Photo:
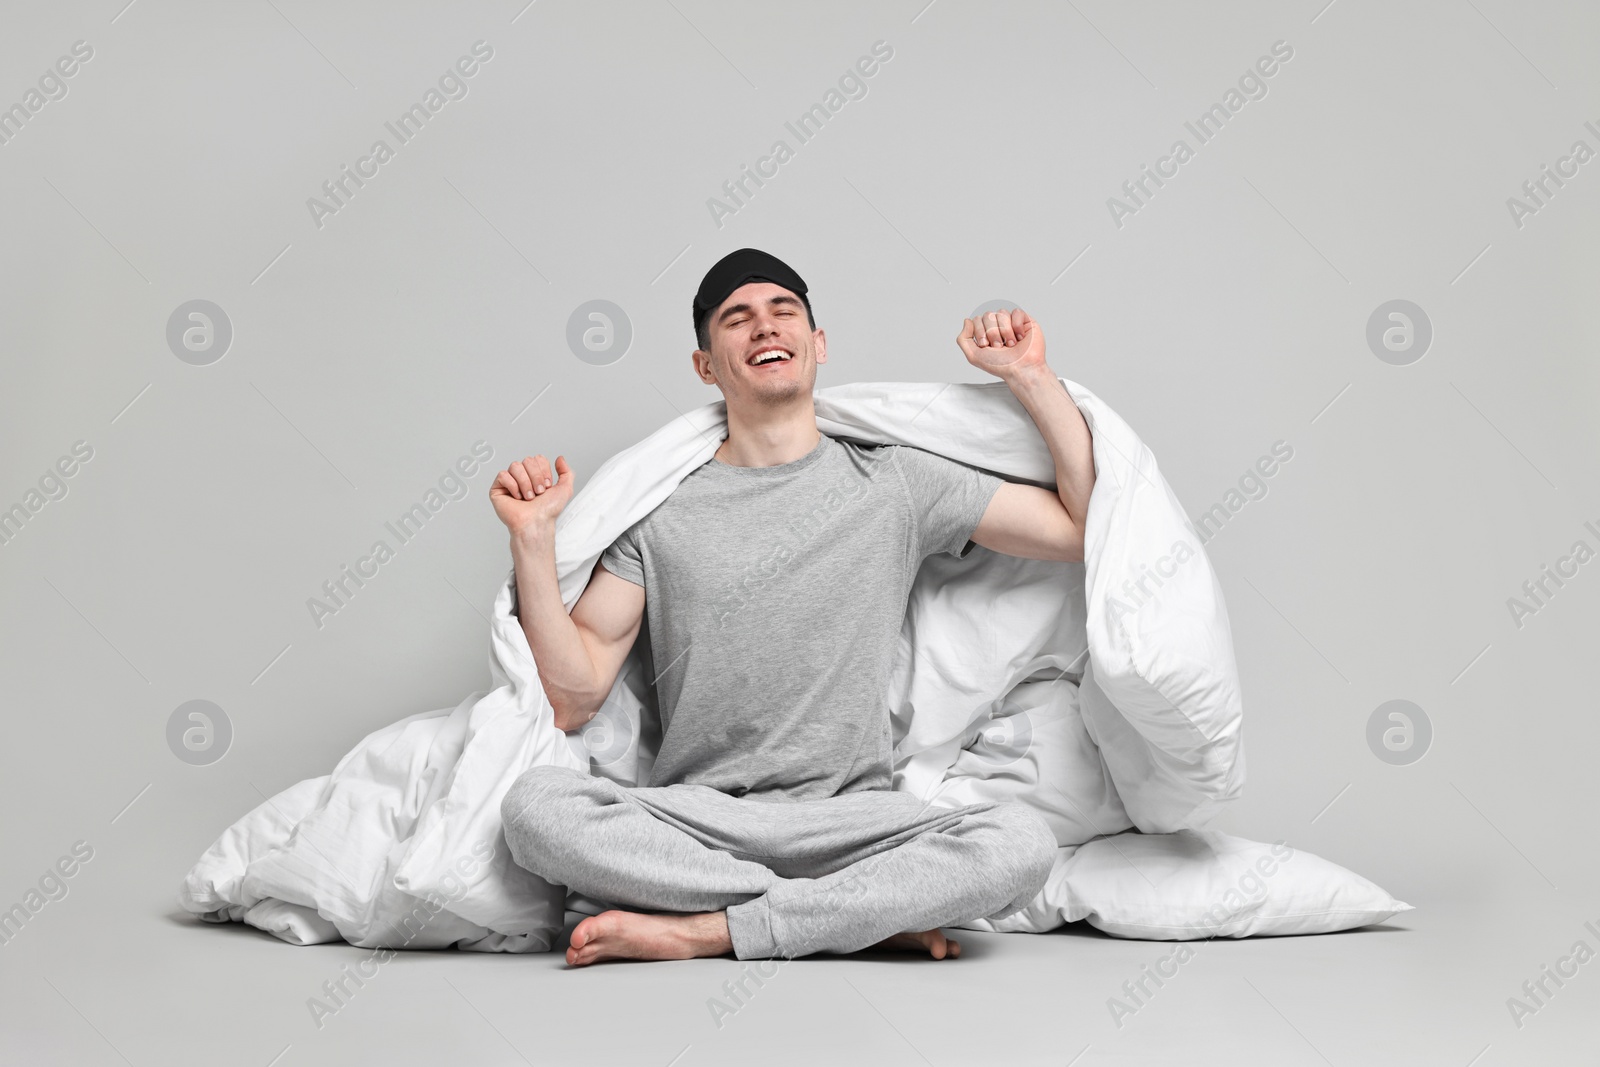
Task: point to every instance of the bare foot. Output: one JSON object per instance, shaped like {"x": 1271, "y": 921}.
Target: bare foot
{"x": 933, "y": 942}
{"x": 631, "y": 935}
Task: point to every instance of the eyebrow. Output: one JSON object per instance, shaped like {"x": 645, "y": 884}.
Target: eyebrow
{"x": 734, "y": 309}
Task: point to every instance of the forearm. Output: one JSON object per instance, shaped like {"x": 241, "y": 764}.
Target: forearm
{"x": 1065, "y": 432}
{"x": 565, "y": 668}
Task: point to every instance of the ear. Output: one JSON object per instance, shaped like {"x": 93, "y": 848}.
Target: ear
{"x": 702, "y": 366}
{"x": 821, "y": 340}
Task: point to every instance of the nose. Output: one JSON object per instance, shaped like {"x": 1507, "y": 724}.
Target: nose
{"x": 763, "y": 325}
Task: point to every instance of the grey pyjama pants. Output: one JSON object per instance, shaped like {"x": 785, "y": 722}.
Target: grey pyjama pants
{"x": 795, "y": 877}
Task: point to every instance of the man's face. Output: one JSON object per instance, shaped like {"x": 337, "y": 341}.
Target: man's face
{"x": 759, "y": 321}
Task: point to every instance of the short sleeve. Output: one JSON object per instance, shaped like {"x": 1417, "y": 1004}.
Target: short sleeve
{"x": 622, "y": 557}
{"x": 948, "y": 499}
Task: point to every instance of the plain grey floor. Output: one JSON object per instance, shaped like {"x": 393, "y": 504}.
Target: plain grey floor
{"x": 112, "y": 976}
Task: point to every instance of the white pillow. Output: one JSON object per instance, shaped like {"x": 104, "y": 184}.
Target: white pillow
{"x": 1195, "y": 884}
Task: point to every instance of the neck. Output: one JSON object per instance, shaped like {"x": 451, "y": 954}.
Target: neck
{"x": 769, "y": 437}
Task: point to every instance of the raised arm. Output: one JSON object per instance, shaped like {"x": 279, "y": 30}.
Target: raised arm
{"x": 1024, "y": 520}
{"x": 578, "y": 655}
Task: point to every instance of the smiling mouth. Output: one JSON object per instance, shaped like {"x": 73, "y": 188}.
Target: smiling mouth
{"x": 769, "y": 356}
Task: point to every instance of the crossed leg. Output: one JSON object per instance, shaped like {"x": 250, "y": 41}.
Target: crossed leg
{"x": 770, "y": 877}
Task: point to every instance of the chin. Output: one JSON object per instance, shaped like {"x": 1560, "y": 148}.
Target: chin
{"x": 779, "y": 392}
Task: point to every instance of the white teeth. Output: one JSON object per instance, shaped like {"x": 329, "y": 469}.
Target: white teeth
{"x": 768, "y": 357}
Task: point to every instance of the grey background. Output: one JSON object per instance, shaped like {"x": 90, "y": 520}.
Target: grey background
{"x": 431, "y": 312}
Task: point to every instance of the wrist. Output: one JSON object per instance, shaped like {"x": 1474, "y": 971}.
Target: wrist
{"x": 1032, "y": 378}
{"x": 532, "y": 536}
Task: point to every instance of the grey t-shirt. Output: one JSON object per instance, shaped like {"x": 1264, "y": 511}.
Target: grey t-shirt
{"x": 774, "y": 600}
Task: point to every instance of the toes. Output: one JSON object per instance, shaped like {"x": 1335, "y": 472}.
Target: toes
{"x": 591, "y": 938}
{"x": 941, "y": 947}
{"x": 578, "y": 955}
{"x": 587, "y": 932}
{"x": 595, "y": 926}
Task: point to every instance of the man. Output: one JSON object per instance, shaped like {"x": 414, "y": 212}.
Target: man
{"x": 776, "y": 578}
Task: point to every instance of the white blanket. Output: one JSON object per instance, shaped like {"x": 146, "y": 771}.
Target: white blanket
{"x": 1103, "y": 693}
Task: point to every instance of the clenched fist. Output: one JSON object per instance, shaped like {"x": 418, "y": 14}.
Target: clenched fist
{"x": 527, "y": 497}
{"x": 1004, "y": 343}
